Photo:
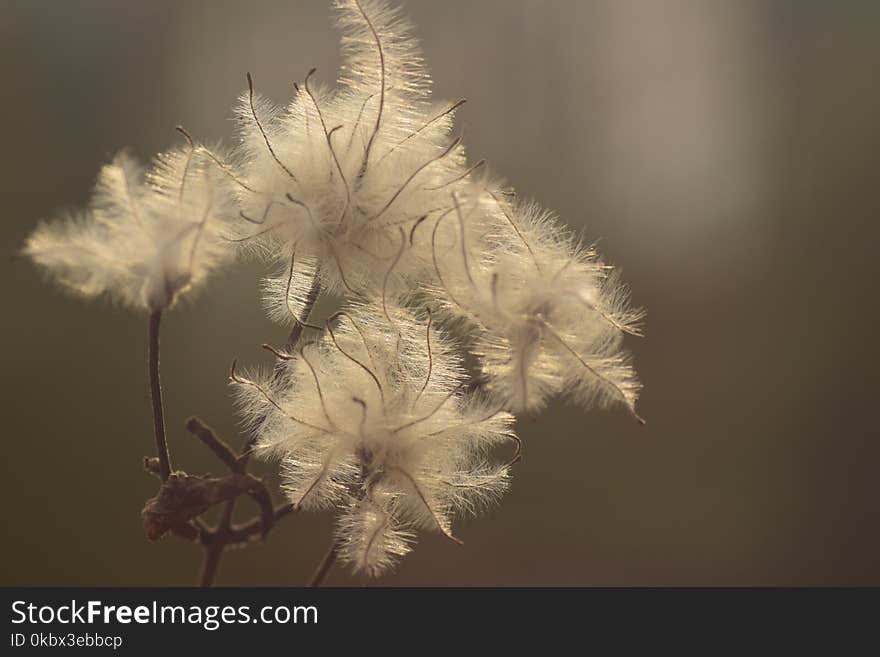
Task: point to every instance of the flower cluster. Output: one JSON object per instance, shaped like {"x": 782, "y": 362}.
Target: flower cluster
{"x": 363, "y": 191}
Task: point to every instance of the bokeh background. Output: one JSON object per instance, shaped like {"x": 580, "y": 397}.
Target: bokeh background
{"x": 726, "y": 154}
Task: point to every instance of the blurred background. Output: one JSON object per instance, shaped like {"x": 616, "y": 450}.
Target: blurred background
{"x": 727, "y": 156}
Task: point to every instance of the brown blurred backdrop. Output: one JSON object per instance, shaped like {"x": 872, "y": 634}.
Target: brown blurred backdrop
{"x": 726, "y": 153}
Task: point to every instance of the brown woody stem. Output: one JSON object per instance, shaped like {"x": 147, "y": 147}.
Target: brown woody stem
{"x": 225, "y": 533}
{"x": 156, "y": 396}
{"x": 324, "y": 567}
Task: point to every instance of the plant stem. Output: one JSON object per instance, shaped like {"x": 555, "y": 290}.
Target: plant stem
{"x": 324, "y": 567}
{"x": 209, "y": 565}
{"x": 214, "y": 551}
{"x": 310, "y": 301}
{"x": 156, "y": 396}
{"x": 223, "y": 533}
{"x": 293, "y": 339}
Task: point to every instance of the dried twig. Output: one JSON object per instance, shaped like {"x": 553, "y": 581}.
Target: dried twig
{"x": 183, "y": 499}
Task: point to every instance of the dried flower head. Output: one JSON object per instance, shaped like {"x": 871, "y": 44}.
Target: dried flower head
{"x": 549, "y": 315}
{"x": 146, "y": 238}
{"x": 340, "y": 177}
{"x": 373, "y": 419}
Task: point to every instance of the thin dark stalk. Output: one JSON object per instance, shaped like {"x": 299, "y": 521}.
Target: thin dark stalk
{"x": 209, "y": 566}
{"x": 156, "y": 397}
{"x": 225, "y": 533}
{"x": 215, "y": 549}
{"x": 246, "y": 532}
{"x": 324, "y": 567}
{"x": 311, "y": 298}
{"x": 293, "y": 339}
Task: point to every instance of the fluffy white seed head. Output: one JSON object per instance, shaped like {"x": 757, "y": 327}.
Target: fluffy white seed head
{"x": 373, "y": 418}
{"x": 146, "y": 238}
{"x": 549, "y": 315}
{"x": 340, "y": 176}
